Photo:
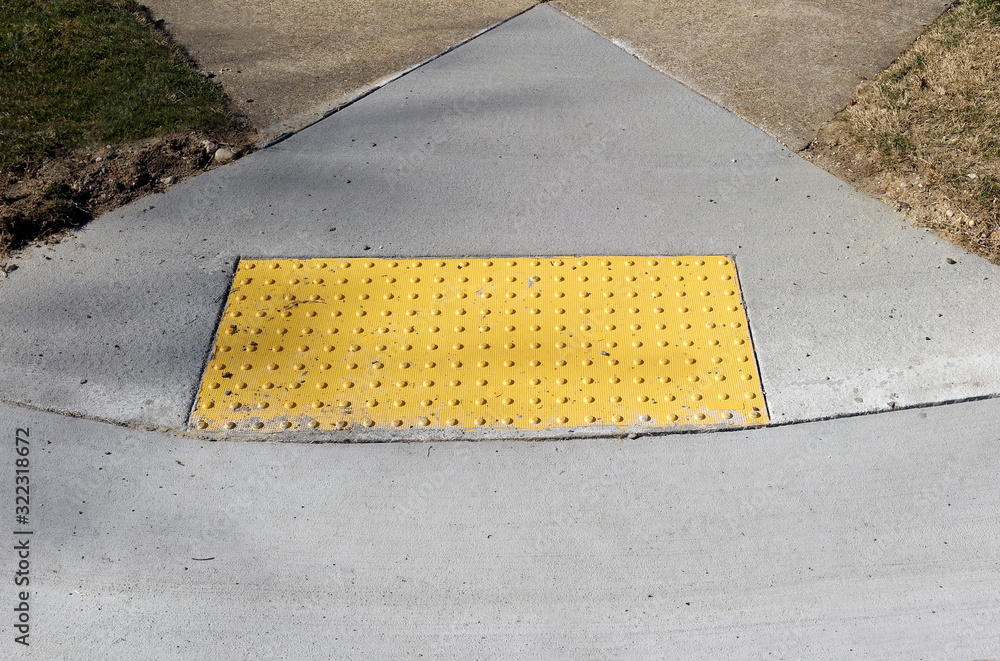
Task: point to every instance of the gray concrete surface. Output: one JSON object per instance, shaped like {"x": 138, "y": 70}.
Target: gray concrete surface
{"x": 873, "y": 537}
{"x": 538, "y": 138}
{"x": 285, "y": 63}
{"x": 787, "y": 66}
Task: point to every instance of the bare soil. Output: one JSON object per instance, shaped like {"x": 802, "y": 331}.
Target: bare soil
{"x": 43, "y": 199}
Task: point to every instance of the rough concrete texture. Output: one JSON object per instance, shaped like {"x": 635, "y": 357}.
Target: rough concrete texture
{"x": 538, "y": 138}
{"x": 286, "y": 63}
{"x": 786, "y": 66}
{"x": 873, "y": 537}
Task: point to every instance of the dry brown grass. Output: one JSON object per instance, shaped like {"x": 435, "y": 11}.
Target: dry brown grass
{"x": 924, "y": 136}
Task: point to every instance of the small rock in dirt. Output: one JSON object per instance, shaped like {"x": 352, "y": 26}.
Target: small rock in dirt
{"x": 224, "y": 155}
{"x": 951, "y": 261}
{"x": 167, "y": 181}
{"x": 209, "y": 146}
{"x": 98, "y": 159}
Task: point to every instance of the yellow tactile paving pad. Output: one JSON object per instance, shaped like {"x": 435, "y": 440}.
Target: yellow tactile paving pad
{"x": 520, "y": 343}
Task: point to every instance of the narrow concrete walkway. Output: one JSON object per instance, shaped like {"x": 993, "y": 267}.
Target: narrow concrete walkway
{"x": 874, "y": 537}
{"x": 538, "y": 138}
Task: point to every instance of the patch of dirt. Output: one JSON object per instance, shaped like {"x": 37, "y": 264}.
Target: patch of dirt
{"x": 44, "y": 199}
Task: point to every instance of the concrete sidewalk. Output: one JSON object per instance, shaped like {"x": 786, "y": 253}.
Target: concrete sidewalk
{"x": 538, "y": 138}
{"x": 874, "y": 537}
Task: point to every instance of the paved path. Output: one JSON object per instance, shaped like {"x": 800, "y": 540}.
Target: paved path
{"x": 285, "y": 63}
{"x": 538, "y": 138}
{"x": 873, "y": 537}
{"x": 786, "y": 66}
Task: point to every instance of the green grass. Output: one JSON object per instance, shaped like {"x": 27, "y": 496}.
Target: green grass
{"x": 85, "y": 72}
{"x": 989, "y": 191}
{"x": 893, "y": 145}
{"x": 992, "y": 7}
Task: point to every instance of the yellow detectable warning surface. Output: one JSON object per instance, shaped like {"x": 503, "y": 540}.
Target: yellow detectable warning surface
{"x": 520, "y": 343}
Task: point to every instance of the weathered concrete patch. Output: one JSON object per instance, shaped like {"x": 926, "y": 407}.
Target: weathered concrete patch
{"x": 286, "y": 63}
{"x": 786, "y": 66}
